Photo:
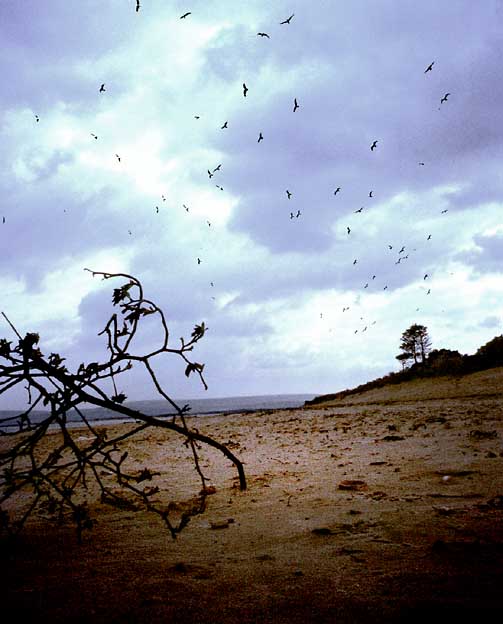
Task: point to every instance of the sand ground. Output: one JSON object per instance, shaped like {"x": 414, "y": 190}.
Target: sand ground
{"x": 422, "y": 536}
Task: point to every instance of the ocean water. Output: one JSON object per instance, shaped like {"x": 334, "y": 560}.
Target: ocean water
{"x": 198, "y": 407}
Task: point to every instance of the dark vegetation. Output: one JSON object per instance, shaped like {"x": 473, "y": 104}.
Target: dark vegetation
{"x": 428, "y": 363}
{"x": 55, "y": 482}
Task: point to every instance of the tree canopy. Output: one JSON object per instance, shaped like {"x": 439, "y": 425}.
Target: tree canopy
{"x": 415, "y": 345}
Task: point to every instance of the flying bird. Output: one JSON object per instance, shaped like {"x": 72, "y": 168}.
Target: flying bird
{"x": 425, "y": 276}
{"x": 366, "y": 285}
{"x": 37, "y": 118}
{"x": 262, "y": 34}
{"x": 197, "y": 117}
{"x": 245, "y": 89}
{"x": 224, "y": 126}
{"x": 295, "y": 105}
{"x": 348, "y": 229}
{"x": 287, "y": 21}
{"x": 185, "y": 15}
{"x": 359, "y": 210}
{"x": 370, "y": 194}
{"x": 118, "y": 157}
{"x": 430, "y": 67}
{"x": 421, "y": 163}
{"x": 209, "y": 224}
{"x": 298, "y": 214}
{"x": 429, "y": 291}
{"x": 390, "y": 246}
{"x": 217, "y": 168}
{"x": 373, "y": 146}
{"x": 163, "y": 198}
{"x": 157, "y": 209}
{"x": 210, "y": 174}
{"x": 219, "y": 187}
{"x": 337, "y": 190}
{"x": 444, "y": 99}
{"x": 186, "y": 208}
{"x": 94, "y": 136}
{"x": 288, "y": 193}
{"x": 429, "y": 237}
{"x": 385, "y": 288}
{"x": 292, "y": 215}
{"x": 443, "y": 211}
{"x": 102, "y": 88}
{"x": 355, "y": 261}
{"x": 260, "y": 137}
{"x": 402, "y": 250}
{"x": 3, "y": 219}
{"x": 199, "y": 261}
{"x": 138, "y": 5}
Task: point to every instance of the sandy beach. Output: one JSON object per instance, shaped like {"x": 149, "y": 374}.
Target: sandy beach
{"x": 384, "y": 506}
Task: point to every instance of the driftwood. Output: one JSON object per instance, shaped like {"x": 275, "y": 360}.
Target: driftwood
{"x": 54, "y": 482}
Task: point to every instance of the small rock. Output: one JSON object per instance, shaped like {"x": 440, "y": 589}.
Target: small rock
{"x": 322, "y": 531}
{"x": 353, "y": 484}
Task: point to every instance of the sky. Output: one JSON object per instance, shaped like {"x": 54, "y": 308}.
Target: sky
{"x": 305, "y": 291}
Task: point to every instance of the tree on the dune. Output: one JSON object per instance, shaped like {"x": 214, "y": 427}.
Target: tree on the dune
{"x": 415, "y": 345}
{"x": 55, "y": 474}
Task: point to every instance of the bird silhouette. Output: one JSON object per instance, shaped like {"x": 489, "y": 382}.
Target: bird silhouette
{"x": 138, "y": 5}
{"x": 429, "y": 291}
{"x": 373, "y": 277}
{"x": 245, "y": 89}
{"x": 199, "y": 261}
{"x": 385, "y": 288}
{"x": 185, "y": 15}
{"x": 370, "y": 194}
{"x": 402, "y": 250}
{"x": 430, "y": 67}
{"x": 355, "y": 261}
{"x": 197, "y": 117}
{"x": 224, "y": 126}
{"x": 163, "y": 198}
{"x": 102, "y": 88}
{"x": 94, "y": 136}
{"x": 287, "y": 21}
{"x": 390, "y": 246}
{"x": 118, "y": 157}
{"x": 373, "y": 146}
{"x": 217, "y": 168}
{"x": 263, "y": 34}
{"x": 3, "y": 219}
{"x": 444, "y": 99}
{"x": 443, "y": 211}
{"x": 337, "y": 190}
{"x": 212, "y": 284}
{"x": 348, "y": 229}
{"x": 37, "y": 118}
{"x": 157, "y": 209}
{"x": 288, "y": 193}
{"x": 210, "y": 174}
{"x": 429, "y": 237}
{"x": 219, "y": 187}
{"x": 186, "y": 208}
{"x": 359, "y": 210}
{"x": 298, "y": 214}
{"x": 425, "y": 276}
{"x": 295, "y": 105}
{"x": 292, "y": 215}
{"x": 421, "y": 163}
{"x": 366, "y": 285}
{"x": 209, "y": 224}
{"x": 260, "y": 137}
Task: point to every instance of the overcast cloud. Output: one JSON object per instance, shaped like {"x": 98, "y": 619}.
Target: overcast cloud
{"x": 271, "y": 288}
